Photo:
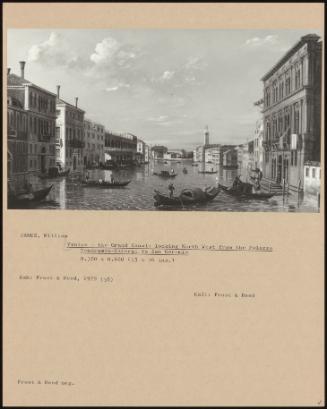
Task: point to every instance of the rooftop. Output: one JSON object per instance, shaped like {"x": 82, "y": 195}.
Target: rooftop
{"x": 14, "y": 80}
{"x": 60, "y": 101}
{"x": 305, "y": 39}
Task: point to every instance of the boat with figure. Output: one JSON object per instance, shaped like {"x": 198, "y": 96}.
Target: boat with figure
{"x": 208, "y": 171}
{"x": 54, "y": 173}
{"x": 186, "y": 197}
{"x": 185, "y": 171}
{"x": 26, "y": 198}
{"x": 195, "y": 164}
{"x": 105, "y": 184}
{"x": 165, "y": 174}
{"x": 245, "y": 191}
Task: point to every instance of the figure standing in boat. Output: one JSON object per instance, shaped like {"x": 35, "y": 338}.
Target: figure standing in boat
{"x": 171, "y": 189}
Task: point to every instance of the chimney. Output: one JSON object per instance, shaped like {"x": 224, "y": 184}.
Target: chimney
{"x": 58, "y": 91}
{"x": 22, "y": 68}
{"x": 76, "y": 101}
{"x": 8, "y": 71}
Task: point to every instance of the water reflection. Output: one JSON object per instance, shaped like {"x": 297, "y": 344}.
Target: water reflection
{"x": 138, "y": 195}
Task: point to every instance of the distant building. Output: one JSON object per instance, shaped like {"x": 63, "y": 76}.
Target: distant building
{"x": 94, "y": 143}
{"x": 199, "y": 154}
{"x": 292, "y": 113}
{"x": 171, "y": 155}
{"x": 69, "y": 134}
{"x": 230, "y": 159}
{"x": 312, "y": 176}
{"x": 120, "y": 148}
{"x": 142, "y": 152}
{"x": 36, "y": 105}
{"x": 158, "y": 151}
{"x": 147, "y": 154}
{"x": 206, "y": 136}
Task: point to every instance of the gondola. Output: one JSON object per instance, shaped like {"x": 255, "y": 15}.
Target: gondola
{"x": 245, "y": 195}
{"x": 54, "y": 175}
{"x": 195, "y": 164}
{"x": 187, "y": 197}
{"x": 25, "y": 199}
{"x": 208, "y": 171}
{"x": 105, "y": 184}
{"x": 165, "y": 174}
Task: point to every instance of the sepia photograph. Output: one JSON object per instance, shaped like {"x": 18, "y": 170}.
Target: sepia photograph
{"x": 163, "y": 197}
{"x": 152, "y": 119}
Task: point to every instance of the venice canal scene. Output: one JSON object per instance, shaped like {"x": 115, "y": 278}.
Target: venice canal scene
{"x": 195, "y": 150}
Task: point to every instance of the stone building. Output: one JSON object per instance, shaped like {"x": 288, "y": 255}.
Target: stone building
{"x": 120, "y": 148}
{"x": 142, "y": 152}
{"x": 37, "y": 106}
{"x": 292, "y": 113}
{"x": 17, "y": 133}
{"x": 312, "y": 176}
{"x": 147, "y": 154}
{"x": 158, "y": 151}
{"x": 94, "y": 143}
{"x": 69, "y": 134}
{"x": 230, "y": 157}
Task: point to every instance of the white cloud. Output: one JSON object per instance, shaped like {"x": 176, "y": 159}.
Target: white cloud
{"x": 54, "y": 52}
{"x": 167, "y": 75}
{"x": 39, "y": 51}
{"x": 104, "y": 50}
{"x": 157, "y": 118}
{"x": 110, "y": 52}
{"x": 117, "y": 87}
{"x": 195, "y": 64}
{"x": 258, "y": 42}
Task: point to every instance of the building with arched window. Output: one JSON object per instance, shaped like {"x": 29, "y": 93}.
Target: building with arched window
{"x": 34, "y": 122}
{"x": 291, "y": 118}
{"x": 17, "y": 131}
{"x": 94, "y": 138}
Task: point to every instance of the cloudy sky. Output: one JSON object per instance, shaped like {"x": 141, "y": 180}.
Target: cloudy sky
{"x": 164, "y": 86}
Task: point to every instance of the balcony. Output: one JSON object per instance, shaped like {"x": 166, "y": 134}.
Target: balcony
{"x": 114, "y": 149}
{"x": 76, "y": 143}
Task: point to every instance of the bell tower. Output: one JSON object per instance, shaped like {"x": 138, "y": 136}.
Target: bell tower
{"x": 206, "y": 136}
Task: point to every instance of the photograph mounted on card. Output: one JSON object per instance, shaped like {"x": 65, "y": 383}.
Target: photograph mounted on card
{"x": 153, "y": 120}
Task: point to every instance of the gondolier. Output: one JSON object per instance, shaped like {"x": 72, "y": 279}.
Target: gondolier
{"x": 171, "y": 189}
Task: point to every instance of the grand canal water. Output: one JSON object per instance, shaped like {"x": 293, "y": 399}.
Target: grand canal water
{"x": 138, "y": 195}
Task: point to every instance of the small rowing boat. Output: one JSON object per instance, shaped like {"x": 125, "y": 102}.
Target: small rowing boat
{"x": 105, "y": 184}
{"x": 27, "y": 198}
{"x": 165, "y": 174}
{"x": 186, "y": 197}
{"x": 236, "y": 192}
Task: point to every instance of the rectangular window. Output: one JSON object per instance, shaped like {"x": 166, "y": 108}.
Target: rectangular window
{"x": 307, "y": 172}
{"x": 313, "y": 173}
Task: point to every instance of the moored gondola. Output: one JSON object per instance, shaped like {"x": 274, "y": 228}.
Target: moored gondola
{"x": 186, "y": 197}
{"x": 27, "y": 198}
{"x": 208, "y": 171}
{"x": 237, "y": 192}
{"x": 105, "y": 184}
